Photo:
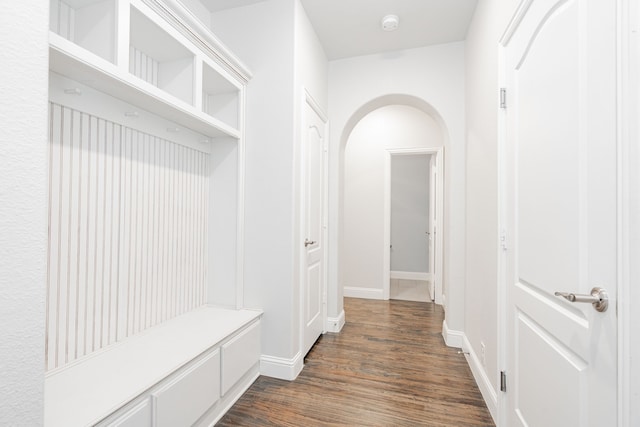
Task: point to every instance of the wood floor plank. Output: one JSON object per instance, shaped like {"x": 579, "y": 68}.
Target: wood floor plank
{"x": 388, "y": 367}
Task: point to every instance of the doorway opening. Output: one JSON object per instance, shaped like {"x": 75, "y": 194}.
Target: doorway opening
{"x": 413, "y": 210}
{"x": 411, "y": 202}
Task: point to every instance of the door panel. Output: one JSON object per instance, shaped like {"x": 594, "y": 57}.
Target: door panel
{"x": 560, "y": 158}
{"x": 314, "y": 208}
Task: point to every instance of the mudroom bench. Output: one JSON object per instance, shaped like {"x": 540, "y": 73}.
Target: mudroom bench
{"x": 186, "y": 371}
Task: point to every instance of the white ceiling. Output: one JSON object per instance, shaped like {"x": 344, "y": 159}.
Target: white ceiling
{"x": 349, "y": 28}
{"x": 352, "y": 27}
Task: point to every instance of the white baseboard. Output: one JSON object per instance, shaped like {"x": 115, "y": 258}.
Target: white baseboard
{"x": 279, "y": 367}
{"x": 366, "y": 293}
{"x": 480, "y": 374}
{"x": 335, "y": 324}
{"x": 410, "y": 275}
{"x": 452, "y": 338}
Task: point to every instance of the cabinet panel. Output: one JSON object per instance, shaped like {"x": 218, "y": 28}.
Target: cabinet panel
{"x": 239, "y": 355}
{"x": 186, "y": 398}
{"x": 138, "y": 416}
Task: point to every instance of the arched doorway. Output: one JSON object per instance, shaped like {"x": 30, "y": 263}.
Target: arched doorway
{"x": 387, "y": 131}
{"x": 336, "y": 194}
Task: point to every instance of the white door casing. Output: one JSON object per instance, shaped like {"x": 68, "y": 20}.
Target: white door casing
{"x": 437, "y": 191}
{"x": 559, "y": 213}
{"x": 314, "y": 173}
{"x": 433, "y": 182}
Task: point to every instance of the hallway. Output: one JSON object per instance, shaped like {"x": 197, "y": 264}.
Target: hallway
{"x": 388, "y": 367}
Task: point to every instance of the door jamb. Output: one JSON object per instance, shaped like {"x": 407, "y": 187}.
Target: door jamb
{"x": 438, "y": 153}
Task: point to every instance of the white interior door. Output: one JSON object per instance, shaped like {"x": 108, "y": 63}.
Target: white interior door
{"x": 560, "y": 210}
{"x": 313, "y": 291}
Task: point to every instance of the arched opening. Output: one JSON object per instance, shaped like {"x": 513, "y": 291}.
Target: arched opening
{"x": 386, "y": 126}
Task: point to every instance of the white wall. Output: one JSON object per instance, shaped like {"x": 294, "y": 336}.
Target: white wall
{"x": 23, "y": 210}
{"x": 481, "y": 81}
{"x": 362, "y": 250}
{"x": 279, "y": 46}
{"x": 311, "y": 77}
{"x": 432, "y": 75}
{"x": 410, "y": 213}
{"x": 269, "y": 210}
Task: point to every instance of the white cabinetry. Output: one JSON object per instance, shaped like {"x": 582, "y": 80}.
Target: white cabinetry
{"x": 175, "y": 69}
{"x": 145, "y": 102}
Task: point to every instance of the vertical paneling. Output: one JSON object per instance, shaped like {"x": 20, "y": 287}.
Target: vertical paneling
{"x": 62, "y": 19}
{"x": 143, "y": 66}
{"x": 127, "y": 217}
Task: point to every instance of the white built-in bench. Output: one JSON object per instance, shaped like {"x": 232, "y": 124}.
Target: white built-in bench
{"x": 186, "y": 371}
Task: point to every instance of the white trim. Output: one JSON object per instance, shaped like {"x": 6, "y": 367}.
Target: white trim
{"x": 411, "y": 275}
{"x": 230, "y": 399}
{"x": 281, "y": 368}
{"x": 335, "y": 324}
{"x": 517, "y": 18}
{"x": 452, "y": 338}
{"x": 438, "y": 153}
{"x": 308, "y": 99}
{"x": 482, "y": 379}
{"x": 628, "y": 66}
{"x": 184, "y": 21}
{"x": 366, "y": 293}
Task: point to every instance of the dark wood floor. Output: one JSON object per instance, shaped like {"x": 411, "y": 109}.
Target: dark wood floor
{"x": 388, "y": 367}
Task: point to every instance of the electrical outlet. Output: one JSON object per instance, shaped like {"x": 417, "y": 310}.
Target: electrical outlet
{"x": 482, "y": 353}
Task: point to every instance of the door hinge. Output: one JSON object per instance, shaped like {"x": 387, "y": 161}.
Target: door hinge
{"x": 503, "y": 97}
{"x": 503, "y": 381}
{"x": 503, "y": 239}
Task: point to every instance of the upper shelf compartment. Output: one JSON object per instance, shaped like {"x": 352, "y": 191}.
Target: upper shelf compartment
{"x": 220, "y": 97}
{"x": 153, "y": 54}
{"x": 90, "y": 24}
{"x": 159, "y": 59}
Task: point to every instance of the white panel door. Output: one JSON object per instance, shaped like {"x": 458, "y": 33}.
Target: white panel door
{"x": 560, "y": 211}
{"x": 314, "y": 202}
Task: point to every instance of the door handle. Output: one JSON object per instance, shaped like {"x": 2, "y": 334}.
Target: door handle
{"x": 598, "y": 298}
{"x": 308, "y": 242}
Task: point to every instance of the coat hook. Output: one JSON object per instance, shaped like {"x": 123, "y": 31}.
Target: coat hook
{"x": 133, "y": 114}
{"x": 73, "y": 91}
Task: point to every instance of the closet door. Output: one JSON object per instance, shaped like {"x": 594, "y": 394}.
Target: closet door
{"x": 561, "y": 209}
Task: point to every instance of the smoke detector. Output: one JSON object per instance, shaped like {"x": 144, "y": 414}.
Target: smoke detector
{"x": 390, "y": 23}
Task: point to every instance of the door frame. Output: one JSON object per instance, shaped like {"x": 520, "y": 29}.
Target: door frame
{"x": 307, "y": 99}
{"x": 438, "y": 155}
{"x": 628, "y": 195}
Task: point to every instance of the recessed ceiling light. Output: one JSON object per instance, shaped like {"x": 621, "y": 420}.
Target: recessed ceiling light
{"x": 390, "y": 23}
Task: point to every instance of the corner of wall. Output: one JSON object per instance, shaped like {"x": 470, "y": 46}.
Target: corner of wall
{"x": 335, "y": 324}
{"x": 452, "y": 338}
{"x": 280, "y": 367}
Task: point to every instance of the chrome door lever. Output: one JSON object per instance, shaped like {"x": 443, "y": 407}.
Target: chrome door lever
{"x": 308, "y": 242}
{"x": 598, "y": 298}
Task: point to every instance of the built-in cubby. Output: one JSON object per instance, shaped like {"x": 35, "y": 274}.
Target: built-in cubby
{"x": 159, "y": 59}
{"x": 90, "y": 24}
{"x": 220, "y": 97}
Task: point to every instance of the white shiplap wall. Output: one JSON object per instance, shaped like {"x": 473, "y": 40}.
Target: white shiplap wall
{"x": 127, "y": 233}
